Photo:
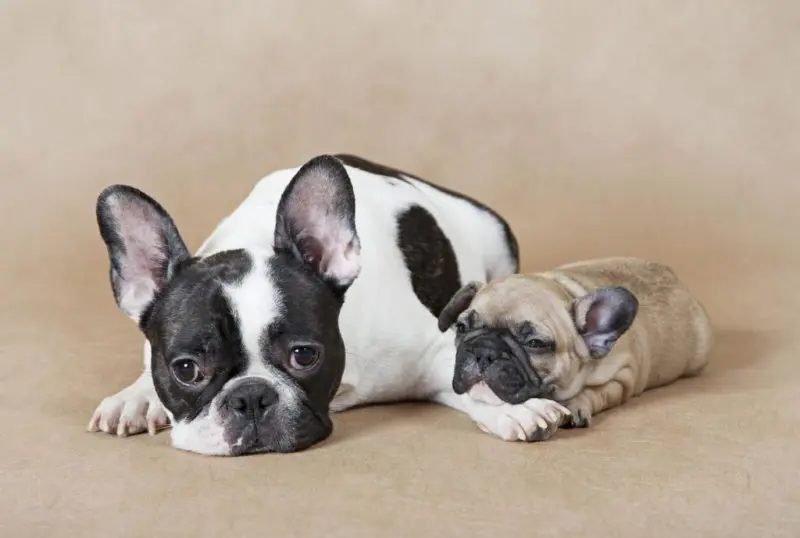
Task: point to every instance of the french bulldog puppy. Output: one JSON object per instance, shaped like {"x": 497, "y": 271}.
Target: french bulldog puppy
{"x": 319, "y": 293}
{"x": 590, "y": 335}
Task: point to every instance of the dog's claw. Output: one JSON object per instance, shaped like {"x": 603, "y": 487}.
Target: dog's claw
{"x": 156, "y": 418}
{"x": 534, "y": 420}
{"x": 542, "y": 423}
{"x": 579, "y": 419}
{"x": 131, "y": 411}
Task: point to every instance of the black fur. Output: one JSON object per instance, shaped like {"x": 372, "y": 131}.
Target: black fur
{"x": 429, "y": 257}
{"x": 310, "y": 313}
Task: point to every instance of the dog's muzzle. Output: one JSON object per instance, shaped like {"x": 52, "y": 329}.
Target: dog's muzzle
{"x": 481, "y": 348}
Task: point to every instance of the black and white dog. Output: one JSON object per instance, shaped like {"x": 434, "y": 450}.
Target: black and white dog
{"x": 320, "y": 292}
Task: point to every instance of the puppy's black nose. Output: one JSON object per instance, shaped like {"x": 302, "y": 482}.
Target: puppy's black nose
{"x": 251, "y": 399}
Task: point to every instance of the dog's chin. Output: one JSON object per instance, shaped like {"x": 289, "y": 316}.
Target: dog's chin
{"x": 301, "y": 436}
{"x": 208, "y": 435}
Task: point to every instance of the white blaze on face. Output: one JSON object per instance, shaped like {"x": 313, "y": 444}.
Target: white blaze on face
{"x": 256, "y": 304}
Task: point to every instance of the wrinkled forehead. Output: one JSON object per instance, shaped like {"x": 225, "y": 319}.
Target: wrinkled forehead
{"x": 520, "y": 300}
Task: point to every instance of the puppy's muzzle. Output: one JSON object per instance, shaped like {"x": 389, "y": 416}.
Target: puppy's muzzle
{"x": 480, "y": 348}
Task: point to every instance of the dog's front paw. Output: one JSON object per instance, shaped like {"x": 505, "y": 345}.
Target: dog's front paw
{"x": 534, "y": 420}
{"x": 580, "y": 409}
{"x": 133, "y": 410}
{"x": 578, "y": 418}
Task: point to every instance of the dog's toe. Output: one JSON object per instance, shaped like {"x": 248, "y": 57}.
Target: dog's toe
{"x": 133, "y": 410}
{"x": 156, "y": 417}
{"x": 578, "y": 419}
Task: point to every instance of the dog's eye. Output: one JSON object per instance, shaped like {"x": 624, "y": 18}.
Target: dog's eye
{"x": 461, "y": 327}
{"x": 186, "y": 371}
{"x": 303, "y": 357}
{"x": 538, "y": 344}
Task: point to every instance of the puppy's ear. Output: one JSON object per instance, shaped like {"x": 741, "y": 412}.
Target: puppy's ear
{"x": 316, "y": 222}
{"x": 144, "y": 246}
{"x": 601, "y": 317}
{"x": 457, "y": 304}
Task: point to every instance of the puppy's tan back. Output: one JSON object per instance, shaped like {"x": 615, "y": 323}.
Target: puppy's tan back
{"x": 672, "y": 328}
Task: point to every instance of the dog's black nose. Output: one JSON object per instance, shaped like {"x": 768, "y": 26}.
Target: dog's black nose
{"x": 251, "y": 399}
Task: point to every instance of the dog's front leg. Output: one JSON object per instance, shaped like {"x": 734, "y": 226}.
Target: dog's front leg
{"x": 591, "y": 401}
{"x": 134, "y": 409}
{"x": 537, "y": 419}
{"x": 534, "y": 420}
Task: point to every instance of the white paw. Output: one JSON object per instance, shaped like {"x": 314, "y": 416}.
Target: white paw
{"x": 534, "y": 420}
{"x": 132, "y": 410}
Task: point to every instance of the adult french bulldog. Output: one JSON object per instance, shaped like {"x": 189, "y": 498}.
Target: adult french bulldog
{"x": 590, "y": 335}
{"x": 320, "y": 292}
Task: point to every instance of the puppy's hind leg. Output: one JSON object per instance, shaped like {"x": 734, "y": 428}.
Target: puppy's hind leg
{"x": 704, "y": 342}
{"x": 134, "y": 409}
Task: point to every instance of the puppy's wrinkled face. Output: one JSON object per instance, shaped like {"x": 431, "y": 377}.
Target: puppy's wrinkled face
{"x": 246, "y": 353}
{"x": 526, "y": 337}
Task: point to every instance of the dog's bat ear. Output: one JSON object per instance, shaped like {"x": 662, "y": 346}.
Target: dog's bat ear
{"x": 457, "y": 304}
{"x": 316, "y": 222}
{"x": 603, "y": 316}
{"x": 144, "y": 246}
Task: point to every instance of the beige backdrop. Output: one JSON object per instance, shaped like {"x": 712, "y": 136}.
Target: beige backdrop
{"x": 668, "y": 130}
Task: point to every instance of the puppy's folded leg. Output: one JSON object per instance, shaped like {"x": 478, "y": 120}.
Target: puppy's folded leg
{"x": 132, "y": 410}
{"x": 591, "y": 401}
{"x": 534, "y": 420}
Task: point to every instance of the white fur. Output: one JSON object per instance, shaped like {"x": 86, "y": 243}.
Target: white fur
{"x": 204, "y": 435}
{"x": 394, "y": 348}
{"x": 255, "y": 304}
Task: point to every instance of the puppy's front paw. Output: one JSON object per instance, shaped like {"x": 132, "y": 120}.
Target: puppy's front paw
{"x": 580, "y": 409}
{"x": 578, "y": 418}
{"x": 534, "y": 420}
{"x": 134, "y": 409}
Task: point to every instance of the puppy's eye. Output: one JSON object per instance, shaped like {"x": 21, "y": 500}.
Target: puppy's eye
{"x": 461, "y": 327}
{"x": 538, "y": 344}
{"x": 186, "y": 371}
{"x": 303, "y": 357}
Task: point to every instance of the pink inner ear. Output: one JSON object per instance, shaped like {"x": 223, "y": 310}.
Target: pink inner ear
{"x": 141, "y": 265}
{"x": 318, "y": 211}
{"x": 139, "y": 230}
{"x": 598, "y": 316}
{"x": 341, "y": 252}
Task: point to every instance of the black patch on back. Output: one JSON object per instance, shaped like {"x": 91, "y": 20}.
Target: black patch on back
{"x": 429, "y": 257}
{"x": 376, "y": 168}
